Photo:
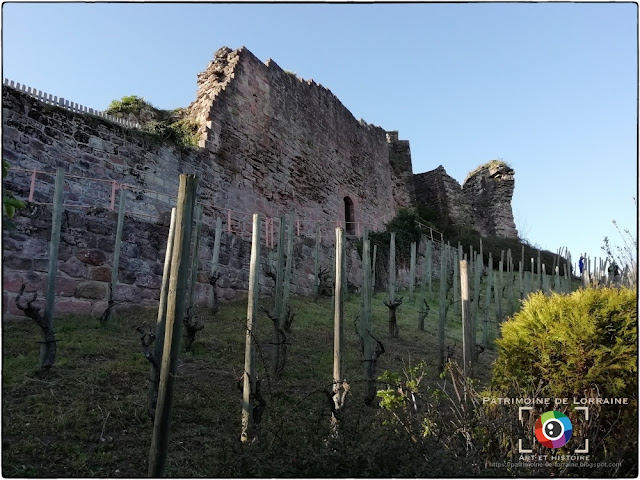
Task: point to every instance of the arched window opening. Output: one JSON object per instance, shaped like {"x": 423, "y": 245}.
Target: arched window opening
{"x": 349, "y": 217}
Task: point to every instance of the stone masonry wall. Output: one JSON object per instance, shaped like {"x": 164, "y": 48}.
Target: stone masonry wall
{"x": 42, "y": 137}
{"x": 489, "y": 191}
{"x": 272, "y": 143}
{"x": 291, "y": 145}
{"x": 400, "y": 160}
{"x": 482, "y": 203}
{"x": 86, "y": 256}
{"x": 437, "y": 189}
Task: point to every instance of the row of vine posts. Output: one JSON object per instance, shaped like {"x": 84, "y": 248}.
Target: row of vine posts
{"x": 176, "y": 304}
{"x": 455, "y": 271}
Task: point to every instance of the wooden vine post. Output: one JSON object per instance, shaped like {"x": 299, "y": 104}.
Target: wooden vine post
{"x": 521, "y": 280}
{"x": 456, "y": 279}
{"x": 339, "y": 387}
{"x": 534, "y": 283}
{"x": 555, "y": 261}
{"x": 195, "y": 257}
{"x": 497, "y": 290}
{"x": 48, "y": 346}
{"x": 477, "y": 273}
{"x": 287, "y": 272}
{"x": 176, "y": 310}
{"x": 393, "y": 302}
{"x": 190, "y": 323}
{"x": 423, "y": 307}
{"x": 510, "y": 282}
{"x": 429, "y": 263}
{"x": 392, "y": 268}
{"x": 545, "y": 280}
{"x": 412, "y": 273}
{"x": 487, "y": 304}
{"x": 116, "y": 257}
{"x": 278, "y": 299}
{"x": 471, "y": 261}
{"x": 443, "y": 304}
{"x": 154, "y": 374}
{"x": 373, "y": 269}
{"x": 468, "y": 344}
{"x": 366, "y": 323}
{"x": 215, "y": 262}
{"x": 316, "y": 266}
{"x": 249, "y": 377}
{"x": 539, "y": 282}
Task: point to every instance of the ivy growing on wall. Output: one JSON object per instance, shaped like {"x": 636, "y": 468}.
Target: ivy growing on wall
{"x": 9, "y": 203}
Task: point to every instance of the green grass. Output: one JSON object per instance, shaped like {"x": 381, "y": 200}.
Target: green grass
{"x": 89, "y": 418}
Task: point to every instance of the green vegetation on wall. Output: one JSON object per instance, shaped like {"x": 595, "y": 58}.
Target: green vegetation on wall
{"x": 9, "y": 203}
{"x": 128, "y": 104}
{"x": 172, "y": 126}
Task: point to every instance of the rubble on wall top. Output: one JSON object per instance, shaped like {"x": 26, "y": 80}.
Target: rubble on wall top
{"x": 498, "y": 169}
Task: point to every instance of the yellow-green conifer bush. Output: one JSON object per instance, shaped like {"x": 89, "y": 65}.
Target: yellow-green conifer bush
{"x": 577, "y": 346}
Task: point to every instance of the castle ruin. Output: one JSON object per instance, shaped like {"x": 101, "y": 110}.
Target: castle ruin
{"x": 269, "y": 142}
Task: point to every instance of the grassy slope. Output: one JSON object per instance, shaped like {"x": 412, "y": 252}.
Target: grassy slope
{"x": 89, "y": 418}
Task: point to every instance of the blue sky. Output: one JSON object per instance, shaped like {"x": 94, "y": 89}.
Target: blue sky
{"x": 551, "y": 88}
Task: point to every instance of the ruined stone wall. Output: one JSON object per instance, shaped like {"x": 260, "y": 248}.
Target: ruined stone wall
{"x": 482, "y": 203}
{"x": 400, "y": 160}
{"x": 290, "y": 144}
{"x": 437, "y": 189}
{"x": 488, "y": 191}
{"x": 271, "y": 143}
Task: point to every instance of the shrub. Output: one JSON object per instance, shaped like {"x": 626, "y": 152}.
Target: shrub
{"x": 581, "y": 345}
{"x": 573, "y": 343}
{"x": 128, "y": 104}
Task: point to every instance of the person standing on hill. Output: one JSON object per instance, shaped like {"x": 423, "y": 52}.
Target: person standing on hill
{"x": 581, "y": 265}
{"x": 614, "y": 274}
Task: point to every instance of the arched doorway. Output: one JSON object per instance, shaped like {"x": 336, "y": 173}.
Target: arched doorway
{"x": 349, "y": 217}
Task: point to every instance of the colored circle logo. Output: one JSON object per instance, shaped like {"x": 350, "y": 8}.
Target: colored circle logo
{"x": 553, "y": 429}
